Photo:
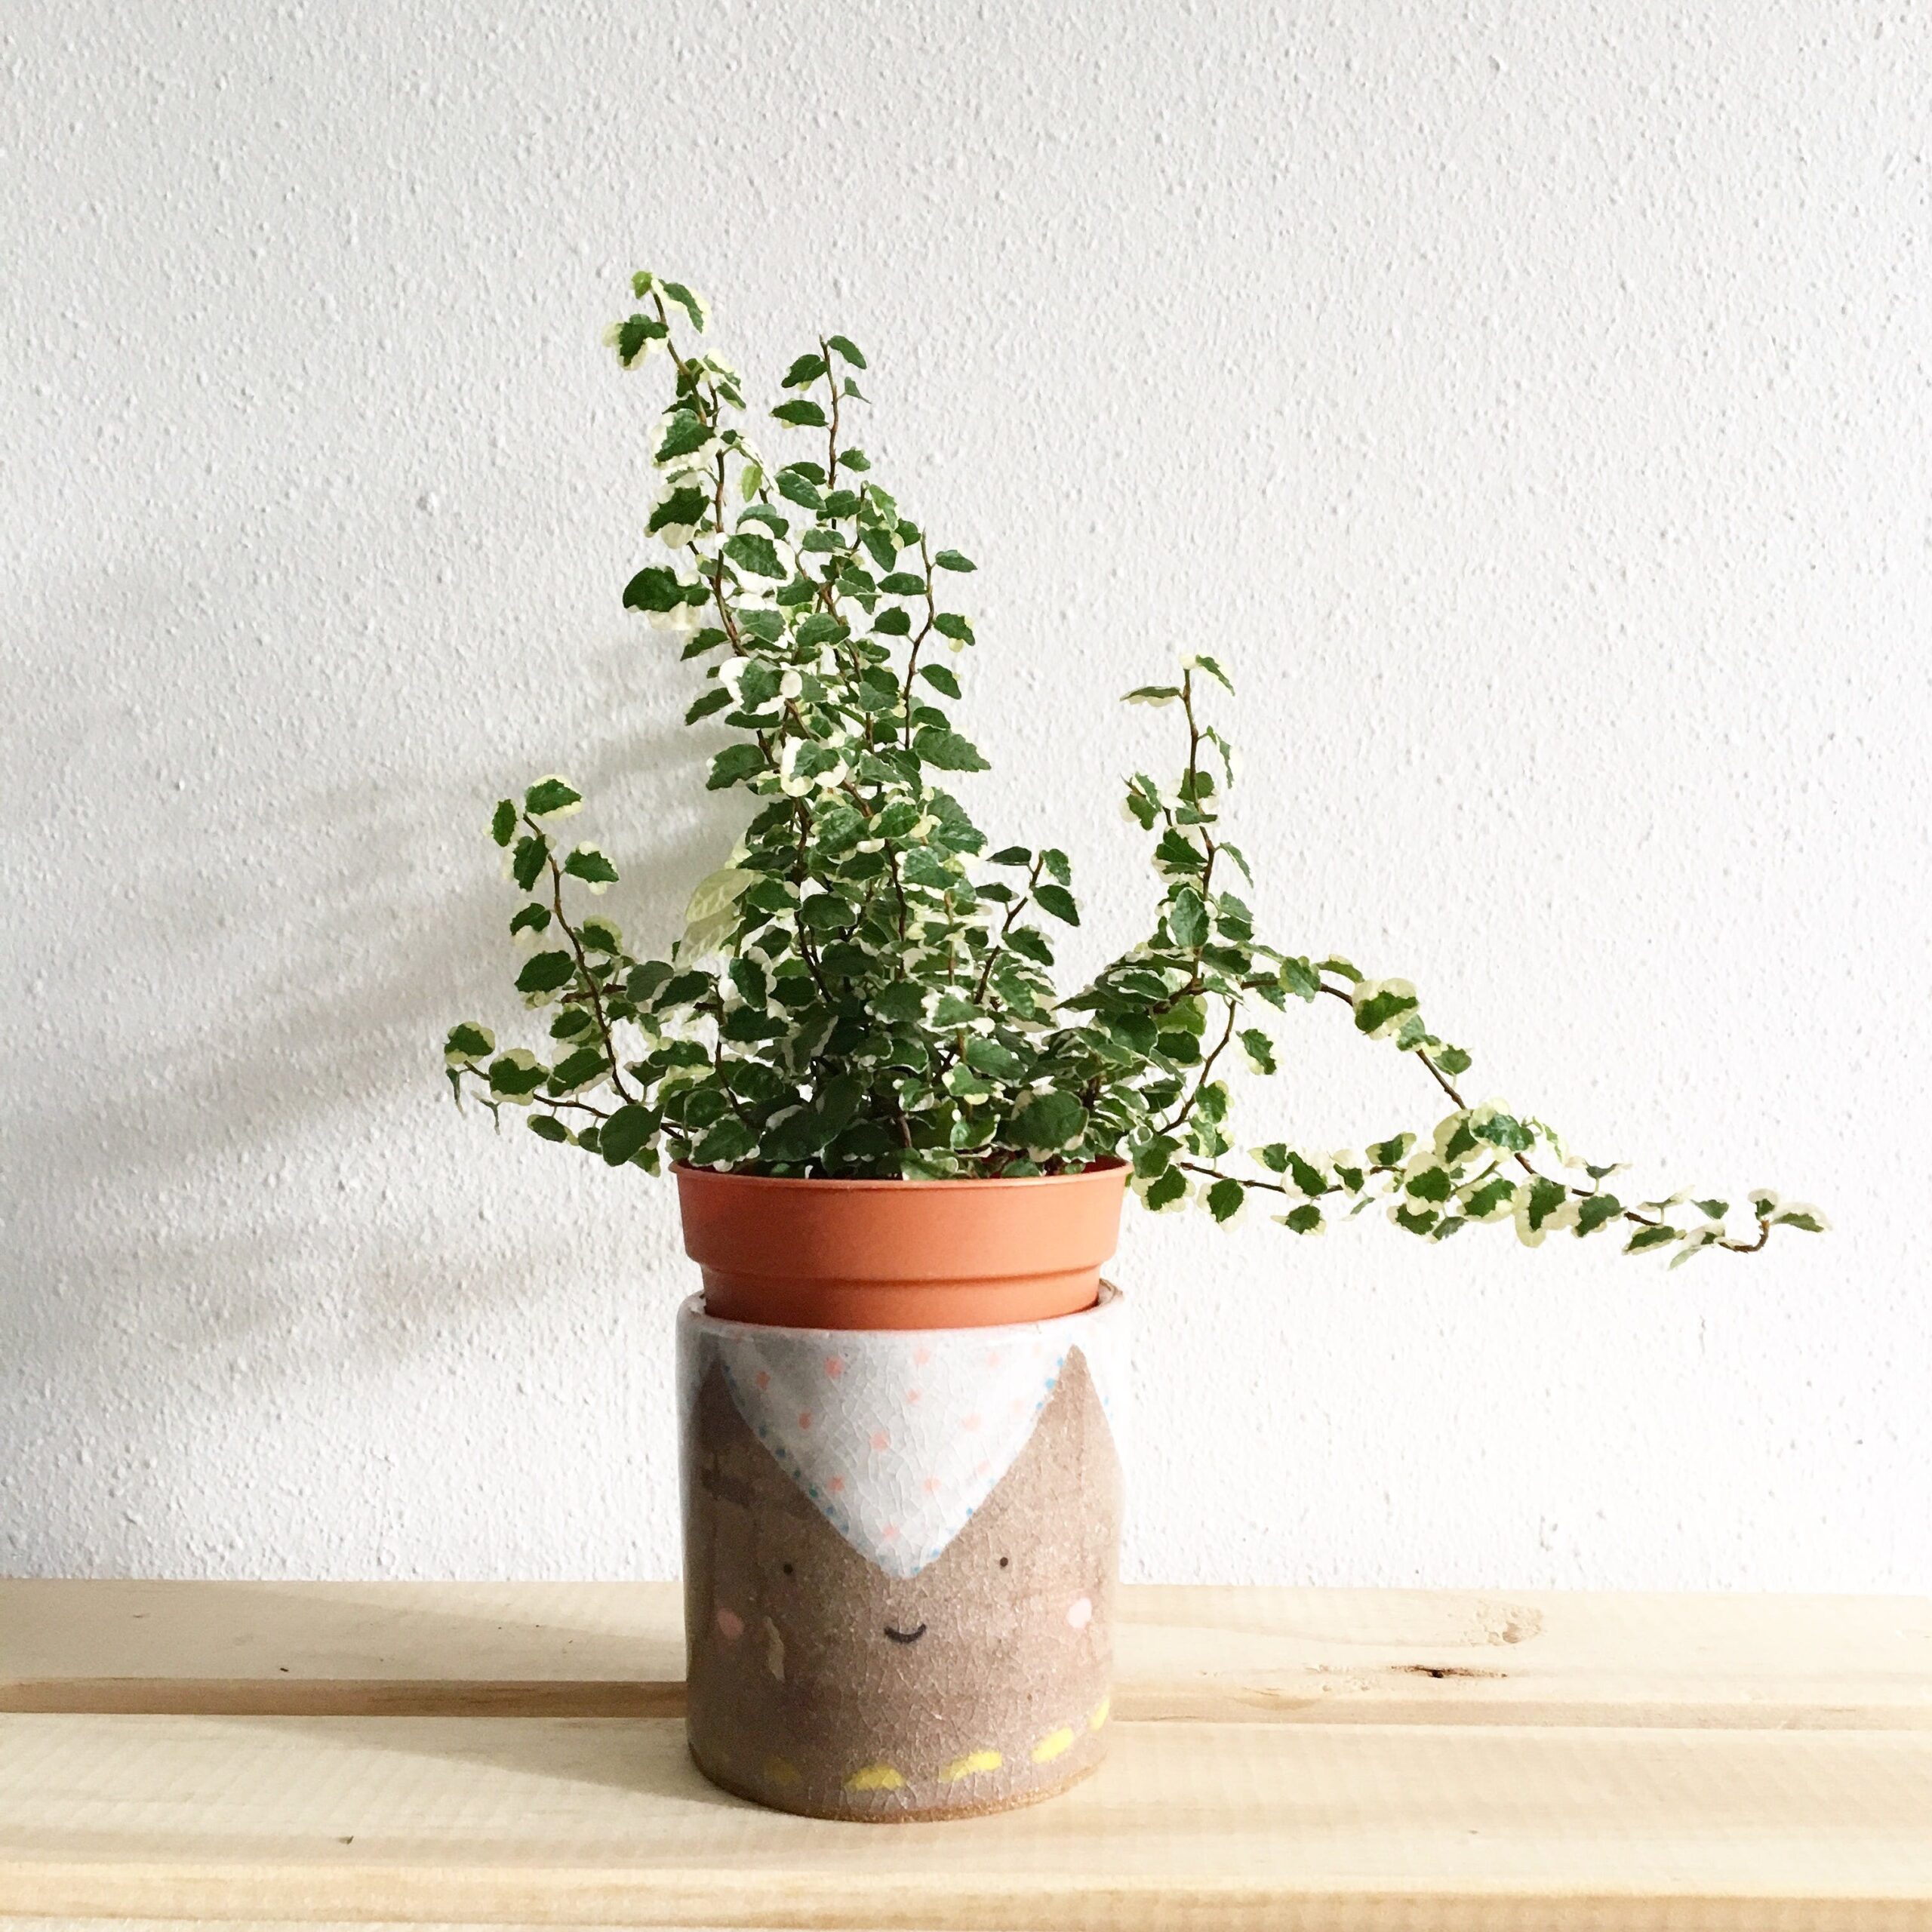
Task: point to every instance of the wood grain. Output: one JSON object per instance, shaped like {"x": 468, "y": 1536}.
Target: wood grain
{"x": 1298, "y": 1758}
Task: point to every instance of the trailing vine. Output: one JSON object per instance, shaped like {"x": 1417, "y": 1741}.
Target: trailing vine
{"x": 866, "y": 990}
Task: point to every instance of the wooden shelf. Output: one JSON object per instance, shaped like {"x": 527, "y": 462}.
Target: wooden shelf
{"x": 487, "y": 1754}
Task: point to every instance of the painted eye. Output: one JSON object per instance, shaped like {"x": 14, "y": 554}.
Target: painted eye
{"x": 1004, "y": 1560}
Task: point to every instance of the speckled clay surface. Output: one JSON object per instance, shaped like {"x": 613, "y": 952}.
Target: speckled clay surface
{"x": 900, "y": 1553}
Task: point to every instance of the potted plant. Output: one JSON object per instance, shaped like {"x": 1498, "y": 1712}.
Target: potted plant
{"x": 901, "y": 1150}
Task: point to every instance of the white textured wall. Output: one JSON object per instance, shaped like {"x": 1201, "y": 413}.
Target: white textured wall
{"x": 1531, "y": 402}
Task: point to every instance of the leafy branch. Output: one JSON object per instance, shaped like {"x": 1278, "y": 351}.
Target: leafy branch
{"x": 864, "y": 987}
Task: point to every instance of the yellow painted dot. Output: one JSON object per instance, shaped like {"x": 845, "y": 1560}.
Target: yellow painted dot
{"x": 1100, "y": 1710}
{"x": 1052, "y": 1745}
{"x": 782, "y": 1770}
{"x": 874, "y": 1777}
{"x": 973, "y": 1760}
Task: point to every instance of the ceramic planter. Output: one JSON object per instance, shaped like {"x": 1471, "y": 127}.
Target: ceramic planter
{"x": 900, "y": 1547}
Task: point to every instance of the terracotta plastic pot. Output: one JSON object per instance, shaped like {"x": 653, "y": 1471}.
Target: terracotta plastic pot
{"x": 900, "y": 1550}
{"x": 901, "y": 1253}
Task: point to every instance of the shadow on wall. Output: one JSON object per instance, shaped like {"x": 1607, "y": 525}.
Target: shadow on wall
{"x": 245, "y": 1159}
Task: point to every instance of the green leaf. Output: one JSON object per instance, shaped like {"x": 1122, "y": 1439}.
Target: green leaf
{"x": 1057, "y": 900}
{"x": 545, "y": 972}
{"x": 1648, "y": 1237}
{"x": 626, "y": 1133}
{"x": 1306, "y": 1175}
{"x": 1803, "y": 1219}
{"x": 797, "y": 1137}
{"x": 894, "y": 622}
{"x": 1152, "y": 1157}
{"x": 1306, "y": 1219}
{"x": 950, "y": 623}
{"x": 531, "y": 851}
{"x": 687, "y": 301}
{"x": 731, "y": 1139}
{"x": 952, "y": 560}
{"x": 795, "y": 489}
{"x": 751, "y": 551}
{"x": 748, "y": 976}
{"x": 1049, "y": 1121}
{"x": 468, "y": 1041}
{"x": 1489, "y": 1197}
{"x": 654, "y": 588}
{"x": 685, "y": 431}
{"x": 947, "y": 750}
{"x": 1504, "y": 1130}
{"x": 578, "y": 1068}
{"x": 996, "y": 1062}
{"x": 806, "y": 369}
{"x": 503, "y": 821}
{"x": 734, "y": 764}
{"x": 940, "y": 679}
{"x": 1299, "y": 978}
{"x": 902, "y": 583}
{"x": 548, "y": 1126}
{"x": 635, "y": 334}
{"x": 1259, "y": 1048}
{"x": 1594, "y": 1211}
{"x": 1382, "y": 1008}
{"x": 546, "y": 796}
{"x": 645, "y": 980}
{"x": 682, "y": 509}
{"x": 1167, "y": 1190}
{"x": 716, "y": 699}
{"x": 681, "y": 991}
{"x": 846, "y": 349}
{"x": 1713, "y": 1210}
{"x": 1225, "y": 1198}
{"x": 804, "y": 414}
{"x": 1432, "y": 1184}
{"x": 1546, "y": 1197}
{"x": 516, "y": 1076}
{"x": 1187, "y": 919}
{"x": 1453, "y": 1061}
{"x": 587, "y": 863}
{"x": 902, "y": 1004}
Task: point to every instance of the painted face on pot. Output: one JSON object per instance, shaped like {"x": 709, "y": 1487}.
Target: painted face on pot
{"x": 996, "y": 1655}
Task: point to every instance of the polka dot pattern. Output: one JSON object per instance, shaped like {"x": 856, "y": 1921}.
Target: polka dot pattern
{"x": 898, "y": 1438}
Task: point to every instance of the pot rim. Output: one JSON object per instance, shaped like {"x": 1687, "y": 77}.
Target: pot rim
{"x": 1110, "y": 1164}
{"x": 691, "y": 1311}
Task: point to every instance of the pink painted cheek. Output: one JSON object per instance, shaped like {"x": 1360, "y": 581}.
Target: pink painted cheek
{"x": 1080, "y": 1612}
{"x": 731, "y": 1624}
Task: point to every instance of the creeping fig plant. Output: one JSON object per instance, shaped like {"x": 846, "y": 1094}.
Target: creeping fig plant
{"x": 866, "y": 990}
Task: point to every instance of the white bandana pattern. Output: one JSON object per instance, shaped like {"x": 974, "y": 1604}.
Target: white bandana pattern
{"x": 900, "y": 1436}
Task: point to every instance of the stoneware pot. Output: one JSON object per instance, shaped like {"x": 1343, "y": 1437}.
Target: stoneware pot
{"x": 901, "y": 1253}
{"x": 901, "y": 1549}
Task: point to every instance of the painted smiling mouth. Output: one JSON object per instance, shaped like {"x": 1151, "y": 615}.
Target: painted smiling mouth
{"x": 905, "y": 1636}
